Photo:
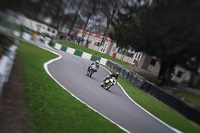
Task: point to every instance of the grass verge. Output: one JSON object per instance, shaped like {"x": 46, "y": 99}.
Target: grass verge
{"x": 189, "y": 97}
{"x": 84, "y": 49}
{"x": 157, "y": 108}
{"x": 49, "y": 107}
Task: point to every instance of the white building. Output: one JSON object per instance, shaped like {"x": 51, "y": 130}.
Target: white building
{"x": 29, "y": 23}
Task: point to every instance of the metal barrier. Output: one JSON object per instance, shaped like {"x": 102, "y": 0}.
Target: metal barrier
{"x": 166, "y": 98}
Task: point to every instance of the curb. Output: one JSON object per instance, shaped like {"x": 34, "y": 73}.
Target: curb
{"x": 79, "y": 53}
{"x": 92, "y": 57}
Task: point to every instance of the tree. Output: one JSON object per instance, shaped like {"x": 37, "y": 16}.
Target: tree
{"x": 96, "y": 25}
{"x": 109, "y": 9}
{"x": 55, "y": 10}
{"x": 77, "y": 8}
{"x": 27, "y": 7}
{"x": 90, "y": 8}
{"x": 10, "y": 4}
{"x": 169, "y": 30}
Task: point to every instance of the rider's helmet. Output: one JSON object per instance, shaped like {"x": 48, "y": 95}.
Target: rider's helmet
{"x": 117, "y": 74}
{"x": 97, "y": 61}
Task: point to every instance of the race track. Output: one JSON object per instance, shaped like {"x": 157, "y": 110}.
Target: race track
{"x": 70, "y": 72}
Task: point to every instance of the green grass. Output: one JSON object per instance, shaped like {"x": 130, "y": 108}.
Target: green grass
{"x": 5, "y": 23}
{"x": 158, "y": 109}
{"x": 18, "y": 28}
{"x": 39, "y": 34}
{"x": 195, "y": 99}
{"x": 49, "y": 107}
{"x": 52, "y": 109}
{"x": 9, "y": 25}
{"x": 93, "y": 52}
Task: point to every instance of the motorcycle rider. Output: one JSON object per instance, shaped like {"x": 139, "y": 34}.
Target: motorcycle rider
{"x": 112, "y": 75}
{"x": 94, "y": 63}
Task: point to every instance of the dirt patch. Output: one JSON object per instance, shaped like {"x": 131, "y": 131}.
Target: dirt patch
{"x": 12, "y": 114}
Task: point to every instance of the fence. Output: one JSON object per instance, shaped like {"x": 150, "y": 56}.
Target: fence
{"x": 156, "y": 92}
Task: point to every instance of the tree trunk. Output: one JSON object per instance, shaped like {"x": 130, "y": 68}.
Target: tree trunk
{"x": 72, "y": 24}
{"x": 108, "y": 24}
{"x": 88, "y": 18}
{"x": 105, "y": 33}
{"x": 84, "y": 28}
{"x": 166, "y": 69}
{"x": 75, "y": 17}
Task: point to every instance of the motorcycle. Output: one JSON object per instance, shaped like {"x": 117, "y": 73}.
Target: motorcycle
{"x": 91, "y": 70}
{"x": 106, "y": 84}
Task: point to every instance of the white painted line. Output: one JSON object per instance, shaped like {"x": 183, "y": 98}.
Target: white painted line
{"x": 46, "y": 69}
{"x": 174, "y": 129}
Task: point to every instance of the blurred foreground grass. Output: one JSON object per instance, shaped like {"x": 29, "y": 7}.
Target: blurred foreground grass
{"x": 50, "y": 108}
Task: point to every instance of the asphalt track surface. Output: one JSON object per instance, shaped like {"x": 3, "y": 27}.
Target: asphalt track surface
{"x": 70, "y": 72}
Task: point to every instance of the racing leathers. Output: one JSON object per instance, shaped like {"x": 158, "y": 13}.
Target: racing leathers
{"x": 94, "y": 63}
{"x": 110, "y": 76}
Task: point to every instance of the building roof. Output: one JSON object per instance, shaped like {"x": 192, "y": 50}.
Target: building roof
{"x": 95, "y": 35}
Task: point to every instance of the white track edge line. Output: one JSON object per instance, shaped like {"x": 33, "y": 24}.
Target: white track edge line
{"x": 46, "y": 69}
{"x": 172, "y": 128}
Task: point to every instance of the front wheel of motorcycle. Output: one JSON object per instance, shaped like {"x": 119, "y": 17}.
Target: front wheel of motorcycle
{"x": 108, "y": 86}
{"x": 90, "y": 73}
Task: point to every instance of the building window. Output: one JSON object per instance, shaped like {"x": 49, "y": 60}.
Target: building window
{"x": 48, "y": 29}
{"x": 114, "y": 48}
{"x": 153, "y": 62}
{"x": 130, "y": 53}
{"x": 97, "y": 43}
{"x": 105, "y": 45}
{"x": 137, "y": 56}
{"x": 90, "y": 41}
{"x": 53, "y": 31}
{"x": 85, "y": 39}
{"x": 121, "y": 51}
{"x": 179, "y": 74}
{"x": 102, "y": 50}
